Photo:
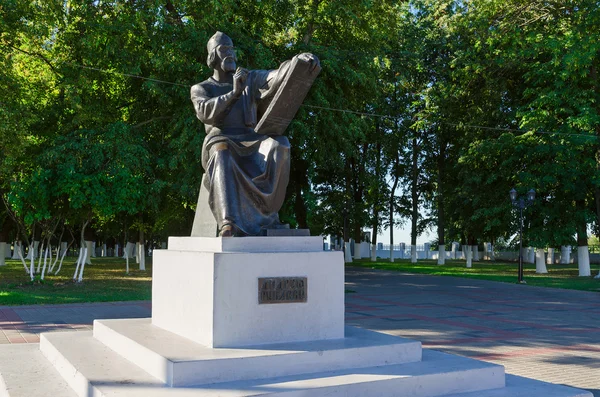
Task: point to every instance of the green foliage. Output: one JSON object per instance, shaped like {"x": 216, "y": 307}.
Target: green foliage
{"x": 494, "y": 94}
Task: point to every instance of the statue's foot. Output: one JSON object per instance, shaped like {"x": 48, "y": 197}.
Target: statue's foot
{"x": 229, "y": 229}
{"x": 226, "y": 231}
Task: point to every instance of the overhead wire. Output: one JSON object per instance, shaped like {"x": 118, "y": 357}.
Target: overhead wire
{"x": 365, "y": 114}
{"x": 125, "y": 74}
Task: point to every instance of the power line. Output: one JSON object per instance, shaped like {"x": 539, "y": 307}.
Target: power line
{"x": 452, "y": 124}
{"x": 517, "y": 130}
{"x": 126, "y": 74}
{"x": 342, "y": 110}
{"x": 353, "y": 112}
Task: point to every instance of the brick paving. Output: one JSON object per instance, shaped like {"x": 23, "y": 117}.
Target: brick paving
{"x": 542, "y": 333}
{"x": 547, "y": 334}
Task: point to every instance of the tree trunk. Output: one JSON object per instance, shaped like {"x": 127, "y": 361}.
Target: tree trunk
{"x": 3, "y": 240}
{"x": 347, "y": 252}
{"x": 84, "y": 254}
{"x": 89, "y": 245}
{"x": 540, "y": 261}
{"x": 62, "y": 257}
{"x": 359, "y": 172}
{"x": 33, "y": 250}
{"x": 357, "y": 249}
{"x": 299, "y": 182}
{"x": 128, "y": 251}
{"x": 392, "y": 200}
{"x": 3, "y": 251}
{"x": 16, "y": 248}
{"x": 78, "y": 263}
{"x": 413, "y": 253}
{"x": 39, "y": 266}
{"x": 469, "y": 255}
{"x": 415, "y": 201}
{"x": 476, "y": 257}
{"x": 376, "y": 201}
{"x": 583, "y": 261}
{"x": 141, "y": 257}
{"x": 48, "y": 250}
{"x": 440, "y": 205}
{"x": 441, "y": 254}
{"x": 583, "y": 253}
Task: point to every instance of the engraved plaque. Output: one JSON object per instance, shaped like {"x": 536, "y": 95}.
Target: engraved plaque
{"x": 281, "y": 289}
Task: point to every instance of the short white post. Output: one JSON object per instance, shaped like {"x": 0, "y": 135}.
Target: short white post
{"x": 550, "y": 258}
{"x": 347, "y": 252}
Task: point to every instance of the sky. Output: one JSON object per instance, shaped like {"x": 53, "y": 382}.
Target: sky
{"x": 402, "y": 235}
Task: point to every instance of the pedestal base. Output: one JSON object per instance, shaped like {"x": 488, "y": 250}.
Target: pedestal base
{"x": 208, "y": 291}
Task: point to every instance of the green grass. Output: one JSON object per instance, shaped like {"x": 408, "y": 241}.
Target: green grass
{"x": 103, "y": 281}
{"x": 106, "y": 281}
{"x": 559, "y": 276}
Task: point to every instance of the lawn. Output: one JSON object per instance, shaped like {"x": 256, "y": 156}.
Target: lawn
{"x": 103, "y": 281}
{"x": 559, "y": 276}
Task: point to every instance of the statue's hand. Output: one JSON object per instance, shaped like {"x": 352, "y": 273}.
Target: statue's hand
{"x": 239, "y": 81}
{"x": 312, "y": 59}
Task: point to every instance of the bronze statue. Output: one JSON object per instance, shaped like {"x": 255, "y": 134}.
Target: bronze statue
{"x": 245, "y": 157}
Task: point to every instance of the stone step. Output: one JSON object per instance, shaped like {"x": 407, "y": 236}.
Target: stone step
{"x": 517, "y": 386}
{"x": 177, "y": 361}
{"x": 93, "y": 369}
{"x": 86, "y": 364}
{"x": 25, "y": 372}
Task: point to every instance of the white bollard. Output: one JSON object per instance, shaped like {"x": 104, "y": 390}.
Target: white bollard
{"x": 565, "y": 255}
{"x": 550, "y": 258}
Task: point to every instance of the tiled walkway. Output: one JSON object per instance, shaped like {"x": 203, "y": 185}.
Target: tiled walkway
{"x": 546, "y": 334}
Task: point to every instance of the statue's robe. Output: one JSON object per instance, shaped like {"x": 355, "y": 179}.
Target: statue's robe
{"x": 246, "y": 173}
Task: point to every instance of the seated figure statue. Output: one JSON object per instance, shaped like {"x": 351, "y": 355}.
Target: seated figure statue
{"x": 246, "y": 173}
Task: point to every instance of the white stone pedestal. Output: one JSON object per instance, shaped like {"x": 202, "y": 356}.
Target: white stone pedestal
{"x": 207, "y": 290}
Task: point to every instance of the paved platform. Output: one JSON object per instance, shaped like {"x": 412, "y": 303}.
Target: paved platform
{"x": 546, "y": 334}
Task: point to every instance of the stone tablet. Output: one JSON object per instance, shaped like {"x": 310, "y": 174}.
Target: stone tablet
{"x": 288, "y": 98}
{"x": 282, "y": 290}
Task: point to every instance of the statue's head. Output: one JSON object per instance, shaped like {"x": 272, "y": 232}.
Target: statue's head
{"x": 221, "y": 52}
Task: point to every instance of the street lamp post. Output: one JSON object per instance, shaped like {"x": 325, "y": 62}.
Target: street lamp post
{"x": 521, "y": 204}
